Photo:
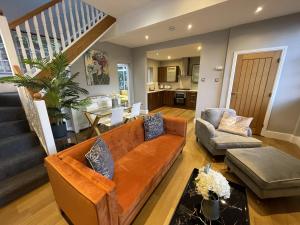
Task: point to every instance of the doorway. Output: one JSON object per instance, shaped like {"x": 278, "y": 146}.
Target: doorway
{"x": 123, "y": 76}
{"x": 253, "y": 83}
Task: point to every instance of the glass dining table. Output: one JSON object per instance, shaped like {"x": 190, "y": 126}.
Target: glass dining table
{"x": 95, "y": 115}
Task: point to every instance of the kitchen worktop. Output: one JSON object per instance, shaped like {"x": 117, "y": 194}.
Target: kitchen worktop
{"x": 159, "y": 90}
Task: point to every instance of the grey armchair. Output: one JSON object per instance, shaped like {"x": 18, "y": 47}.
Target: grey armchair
{"x": 215, "y": 141}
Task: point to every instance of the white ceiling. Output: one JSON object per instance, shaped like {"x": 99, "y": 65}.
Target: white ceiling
{"x": 218, "y": 16}
{"x": 117, "y": 7}
{"x": 175, "y": 53}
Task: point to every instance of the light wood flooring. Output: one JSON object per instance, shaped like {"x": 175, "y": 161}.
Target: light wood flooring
{"x": 39, "y": 207}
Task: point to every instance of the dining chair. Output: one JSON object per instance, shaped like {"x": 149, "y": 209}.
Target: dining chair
{"x": 135, "y": 111}
{"x": 117, "y": 117}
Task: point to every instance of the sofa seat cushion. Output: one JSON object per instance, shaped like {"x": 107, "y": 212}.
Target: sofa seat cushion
{"x": 268, "y": 167}
{"x": 224, "y": 140}
{"x": 139, "y": 171}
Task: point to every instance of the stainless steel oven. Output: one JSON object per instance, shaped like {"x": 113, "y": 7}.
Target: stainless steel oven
{"x": 180, "y": 97}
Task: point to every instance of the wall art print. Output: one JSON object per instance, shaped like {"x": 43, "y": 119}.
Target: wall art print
{"x": 96, "y": 66}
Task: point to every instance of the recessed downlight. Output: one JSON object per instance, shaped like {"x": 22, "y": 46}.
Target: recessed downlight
{"x": 199, "y": 48}
{"x": 258, "y": 9}
{"x": 146, "y": 37}
{"x": 169, "y": 57}
{"x": 156, "y": 53}
{"x": 189, "y": 26}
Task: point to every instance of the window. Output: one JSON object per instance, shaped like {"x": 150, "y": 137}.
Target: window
{"x": 123, "y": 76}
{"x": 4, "y": 63}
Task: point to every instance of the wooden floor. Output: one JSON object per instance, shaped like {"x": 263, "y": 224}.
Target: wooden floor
{"x": 39, "y": 207}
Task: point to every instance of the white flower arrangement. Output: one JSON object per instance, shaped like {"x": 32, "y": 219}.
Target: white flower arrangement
{"x": 209, "y": 181}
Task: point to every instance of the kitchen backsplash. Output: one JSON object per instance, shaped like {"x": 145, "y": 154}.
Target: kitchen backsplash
{"x": 183, "y": 82}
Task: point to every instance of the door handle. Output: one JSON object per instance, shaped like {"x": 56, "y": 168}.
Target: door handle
{"x": 234, "y": 93}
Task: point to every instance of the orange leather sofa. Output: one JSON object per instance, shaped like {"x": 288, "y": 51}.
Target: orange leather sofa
{"x": 88, "y": 198}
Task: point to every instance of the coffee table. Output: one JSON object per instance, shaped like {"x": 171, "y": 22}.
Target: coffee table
{"x": 233, "y": 211}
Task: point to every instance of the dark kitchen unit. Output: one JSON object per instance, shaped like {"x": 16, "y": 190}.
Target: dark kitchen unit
{"x": 172, "y": 98}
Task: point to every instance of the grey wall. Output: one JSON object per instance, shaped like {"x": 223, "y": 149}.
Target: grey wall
{"x": 212, "y": 54}
{"x": 116, "y": 54}
{"x": 282, "y": 31}
{"x": 140, "y": 77}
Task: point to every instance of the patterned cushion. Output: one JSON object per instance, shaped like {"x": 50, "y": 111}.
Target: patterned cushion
{"x": 153, "y": 126}
{"x": 235, "y": 124}
{"x": 100, "y": 159}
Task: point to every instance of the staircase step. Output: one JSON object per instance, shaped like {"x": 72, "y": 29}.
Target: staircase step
{"x": 22, "y": 183}
{"x": 10, "y": 99}
{"x": 11, "y": 113}
{"x": 17, "y": 163}
{"x": 17, "y": 144}
{"x": 12, "y": 128}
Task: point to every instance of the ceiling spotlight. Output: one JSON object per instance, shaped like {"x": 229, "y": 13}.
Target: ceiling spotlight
{"x": 189, "y": 26}
{"x": 146, "y": 37}
{"x": 199, "y": 48}
{"x": 157, "y": 53}
{"x": 169, "y": 57}
{"x": 258, "y": 9}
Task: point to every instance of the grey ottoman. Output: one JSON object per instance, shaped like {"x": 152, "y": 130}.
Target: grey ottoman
{"x": 267, "y": 171}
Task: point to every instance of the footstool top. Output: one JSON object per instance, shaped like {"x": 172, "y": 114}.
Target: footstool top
{"x": 268, "y": 166}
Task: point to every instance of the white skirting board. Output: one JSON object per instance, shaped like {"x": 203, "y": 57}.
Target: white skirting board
{"x": 281, "y": 136}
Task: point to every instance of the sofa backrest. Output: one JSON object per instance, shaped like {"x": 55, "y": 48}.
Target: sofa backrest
{"x": 214, "y": 115}
{"x": 122, "y": 139}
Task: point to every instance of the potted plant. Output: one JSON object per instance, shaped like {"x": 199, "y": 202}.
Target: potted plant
{"x": 212, "y": 185}
{"x": 57, "y": 88}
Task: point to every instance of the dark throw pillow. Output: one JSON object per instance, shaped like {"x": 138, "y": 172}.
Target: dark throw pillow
{"x": 100, "y": 159}
{"x": 153, "y": 126}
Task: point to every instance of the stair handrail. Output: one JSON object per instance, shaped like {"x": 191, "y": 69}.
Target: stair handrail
{"x": 32, "y": 13}
{"x": 52, "y": 28}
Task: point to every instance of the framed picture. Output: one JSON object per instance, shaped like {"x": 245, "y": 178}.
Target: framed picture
{"x": 195, "y": 73}
{"x": 96, "y": 67}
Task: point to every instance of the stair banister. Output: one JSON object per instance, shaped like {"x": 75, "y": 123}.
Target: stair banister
{"x": 69, "y": 26}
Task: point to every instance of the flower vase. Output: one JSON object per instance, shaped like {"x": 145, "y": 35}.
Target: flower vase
{"x": 211, "y": 208}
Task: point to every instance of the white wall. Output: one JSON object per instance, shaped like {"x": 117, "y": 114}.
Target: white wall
{"x": 116, "y": 54}
{"x": 282, "y": 31}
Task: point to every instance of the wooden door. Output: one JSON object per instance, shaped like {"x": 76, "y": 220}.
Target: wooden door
{"x": 252, "y": 86}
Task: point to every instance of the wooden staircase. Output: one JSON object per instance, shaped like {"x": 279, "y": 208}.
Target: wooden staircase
{"x": 69, "y": 26}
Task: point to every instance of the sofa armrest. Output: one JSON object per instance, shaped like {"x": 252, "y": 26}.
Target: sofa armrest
{"x": 204, "y": 129}
{"x": 175, "y": 126}
{"x": 77, "y": 196}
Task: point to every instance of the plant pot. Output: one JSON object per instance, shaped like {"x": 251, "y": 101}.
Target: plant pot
{"x": 211, "y": 209}
{"x": 59, "y": 130}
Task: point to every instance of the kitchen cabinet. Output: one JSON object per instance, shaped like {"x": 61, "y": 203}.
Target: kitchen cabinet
{"x": 155, "y": 100}
{"x": 168, "y": 98}
{"x": 162, "y": 74}
{"x": 168, "y": 74}
{"x": 191, "y": 99}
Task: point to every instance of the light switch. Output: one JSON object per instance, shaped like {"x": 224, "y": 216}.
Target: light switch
{"x": 217, "y": 79}
{"x": 203, "y": 79}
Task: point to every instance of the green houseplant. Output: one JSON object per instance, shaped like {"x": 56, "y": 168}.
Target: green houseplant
{"x": 57, "y": 88}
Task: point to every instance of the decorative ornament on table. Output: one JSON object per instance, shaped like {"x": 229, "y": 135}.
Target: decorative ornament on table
{"x": 212, "y": 185}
